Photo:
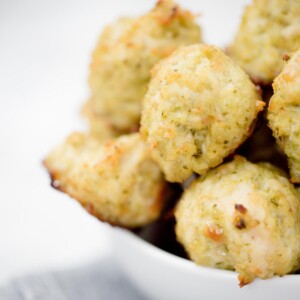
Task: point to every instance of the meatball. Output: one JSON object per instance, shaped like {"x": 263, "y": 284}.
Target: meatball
{"x": 242, "y": 216}
{"x": 99, "y": 128}
{"x": 284, "y": 113}
{"x": 124, "y": 56}
{"x": 199, "y": 108}
{"x": 269, "y": 29}
{"x": 116, "y": 181}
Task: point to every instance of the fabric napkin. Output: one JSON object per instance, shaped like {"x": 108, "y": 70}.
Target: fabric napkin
{"x": 101, "y": 280}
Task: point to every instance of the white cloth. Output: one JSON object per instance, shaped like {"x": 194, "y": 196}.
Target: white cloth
{"x": 101, "y": 280}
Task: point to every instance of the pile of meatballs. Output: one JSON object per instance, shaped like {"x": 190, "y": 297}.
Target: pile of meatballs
{"x": 165, "y": 108}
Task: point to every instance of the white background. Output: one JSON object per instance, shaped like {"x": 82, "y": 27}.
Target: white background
{"x": 45, "y": 49}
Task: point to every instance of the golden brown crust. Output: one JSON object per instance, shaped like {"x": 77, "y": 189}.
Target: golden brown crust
{"x": 54, "y": 182}
{"x": 115, "y": 181}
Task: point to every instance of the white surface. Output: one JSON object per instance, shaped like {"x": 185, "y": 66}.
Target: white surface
{"x": 164, "y": 276}
{"x": 44, "y": 55}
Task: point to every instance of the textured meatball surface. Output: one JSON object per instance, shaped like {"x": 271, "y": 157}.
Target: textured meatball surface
{"x": 242, "y": 216}
{"x": 116, "y": 181}
{"x": 269, "y": 29}
{"x": 199, "y": 108}
{"x": 99, "y": 127}
{"x": 284, "y": 113}
{"x": 124, "y": 56}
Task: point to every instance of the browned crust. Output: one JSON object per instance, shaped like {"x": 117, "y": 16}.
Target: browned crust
{"x": 54, "y": 182}
{"x": 243, "y": 281}
{"x": 175, "y": 12}
{"x": 161, "y": 198}
{"x": 163, "y": 194}
{"x": 241, "y": 208}
{"x": 286, "y": 57}
{"x": 214, "y": 233}
{"x": 239, "y": 223}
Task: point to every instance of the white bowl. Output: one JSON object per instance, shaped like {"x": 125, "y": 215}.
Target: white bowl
{"x": 164, "y": 276}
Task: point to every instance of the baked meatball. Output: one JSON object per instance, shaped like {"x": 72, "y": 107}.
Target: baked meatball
{"x": 269, "y": 29}
{"x": 99, "y": 127}
{"x": 284, "y": 113}
{"x": 242, "y": 216}
{"x": 199, "y": 108}
{"x": 116, "y": 181}
{"x": 126, "y": 51}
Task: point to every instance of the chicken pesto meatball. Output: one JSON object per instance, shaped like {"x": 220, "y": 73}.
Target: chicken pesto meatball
{"x": 116, "y": 181}
{"x": 269, "y": 29}
{"x": 199, "y": 108}
{"x": 124, "y": 56}
{"x": 284, "y": 113}
{"x": 242, "y": 216}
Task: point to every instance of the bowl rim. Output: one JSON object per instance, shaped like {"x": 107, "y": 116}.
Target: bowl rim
{"x": 185, "y": 264}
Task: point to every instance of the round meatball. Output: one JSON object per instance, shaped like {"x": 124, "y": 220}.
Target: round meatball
{"x": 242, "y": 216}
{"x": 269, "y": 29}
{"x": 116, "y": 181}
{"x": 284, "y": 113}
{"x": 124, "y": 56}
{"x": 198, "y": 109}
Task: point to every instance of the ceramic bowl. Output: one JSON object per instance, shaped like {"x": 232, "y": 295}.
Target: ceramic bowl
{"x": 163, "y": 276}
